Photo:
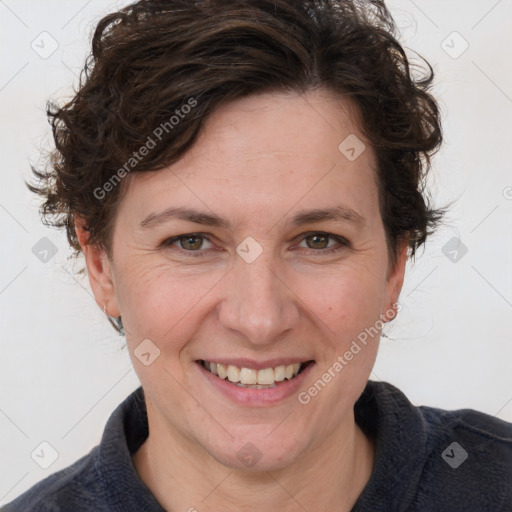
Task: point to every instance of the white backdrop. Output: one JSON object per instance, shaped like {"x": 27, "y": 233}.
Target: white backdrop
{"x": 62, "y": 367}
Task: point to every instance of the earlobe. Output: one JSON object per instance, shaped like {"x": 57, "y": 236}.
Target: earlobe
{"x": 99, "y": 270}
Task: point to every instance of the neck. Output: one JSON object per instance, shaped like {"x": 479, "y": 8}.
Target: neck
{"x": 329, "y": 477}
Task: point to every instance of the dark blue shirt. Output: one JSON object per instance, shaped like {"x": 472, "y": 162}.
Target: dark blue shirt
{"x": 426, "y": 459}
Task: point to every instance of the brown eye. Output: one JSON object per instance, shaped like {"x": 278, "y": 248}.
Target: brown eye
{"x": 317, "y": 241}
{"x": 190, "y": 243}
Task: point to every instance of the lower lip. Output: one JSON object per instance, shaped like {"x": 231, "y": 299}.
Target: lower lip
{"x": 251, "y": 396}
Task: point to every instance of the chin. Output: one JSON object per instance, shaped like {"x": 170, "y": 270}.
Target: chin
{"x": 257, "y": 453}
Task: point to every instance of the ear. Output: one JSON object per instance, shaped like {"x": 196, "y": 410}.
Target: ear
{"x": 99, "y": 270}
{"x": 395, "y": 278}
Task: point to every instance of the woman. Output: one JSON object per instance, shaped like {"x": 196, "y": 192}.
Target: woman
{"x": 246, "y": 182}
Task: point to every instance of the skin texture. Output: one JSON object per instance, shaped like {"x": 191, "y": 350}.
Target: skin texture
{"x": 258, "y": 162}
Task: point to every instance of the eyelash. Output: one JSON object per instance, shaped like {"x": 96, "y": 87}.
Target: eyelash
{"x": 343, "y": 242}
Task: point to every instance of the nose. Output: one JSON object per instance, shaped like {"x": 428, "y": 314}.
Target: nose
{"x": 258, "y": 302}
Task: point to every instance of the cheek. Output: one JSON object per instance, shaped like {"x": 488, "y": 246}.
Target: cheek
{"x": 347, "y": 302}
{"x": 159, "y": 302}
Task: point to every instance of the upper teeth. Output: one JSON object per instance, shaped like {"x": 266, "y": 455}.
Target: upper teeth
{"x": 251, "y": 376}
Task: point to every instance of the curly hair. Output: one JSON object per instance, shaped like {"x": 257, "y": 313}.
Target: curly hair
{"x": 158, "y": 61}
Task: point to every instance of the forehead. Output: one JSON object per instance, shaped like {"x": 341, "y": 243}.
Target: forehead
{"x": 276, "y": 127}
{"x": 268, "y": 151}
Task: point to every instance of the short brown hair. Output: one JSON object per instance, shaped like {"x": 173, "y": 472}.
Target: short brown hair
{"x": 154, "y": 57}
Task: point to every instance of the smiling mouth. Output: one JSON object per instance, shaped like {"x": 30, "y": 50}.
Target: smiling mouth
{"x": 267, "y": 378}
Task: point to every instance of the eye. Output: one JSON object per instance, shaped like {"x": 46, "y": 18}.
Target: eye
{"x": 318, "y": 242}
{"x": 192, "y": 244}
{"x": 189, "y": 243}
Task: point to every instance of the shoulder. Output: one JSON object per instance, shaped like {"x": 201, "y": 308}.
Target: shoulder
{"x": 104, "y": 479}
{"x": 433, "y": 458}
{"x": 469, "y": 422}
{"x": 468, "y": 460}
{"x": 76, "y": 487}
{"x": 479, "y": 438}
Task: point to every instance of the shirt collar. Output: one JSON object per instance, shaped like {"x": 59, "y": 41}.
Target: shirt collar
{"x": 125, "y": 431}
{"x": 384, "y": 413}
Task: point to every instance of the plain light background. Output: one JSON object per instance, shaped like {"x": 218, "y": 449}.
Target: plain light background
{"x": 62, "y": 367}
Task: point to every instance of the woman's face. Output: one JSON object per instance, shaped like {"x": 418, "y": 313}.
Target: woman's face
{"x": 258, "y": 290}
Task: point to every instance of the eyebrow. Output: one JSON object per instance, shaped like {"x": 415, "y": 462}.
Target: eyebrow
{"x": 336, "y": 213}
